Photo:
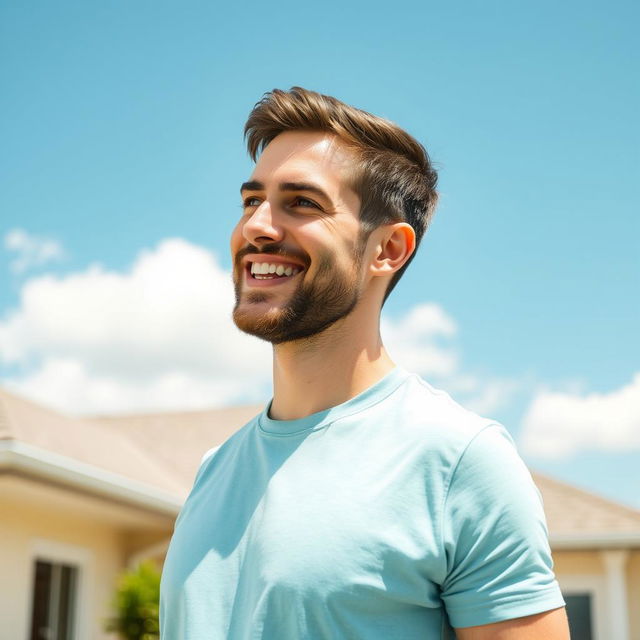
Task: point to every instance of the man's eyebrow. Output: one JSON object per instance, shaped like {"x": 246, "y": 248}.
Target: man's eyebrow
{"x": 303, "y": 186}
{"x": 252, "y": 185}
{"x": 255, "y": 185}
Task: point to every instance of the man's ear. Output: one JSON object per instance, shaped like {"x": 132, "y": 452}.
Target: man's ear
{"x": 394, "y": 245}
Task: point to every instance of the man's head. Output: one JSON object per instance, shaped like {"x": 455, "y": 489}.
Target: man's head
{"x": 328, "y": 177}
{"x": 392, "y": 173}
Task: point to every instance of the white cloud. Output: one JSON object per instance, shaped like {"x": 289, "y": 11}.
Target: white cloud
{"x": 415, "y": 340}
{"x": 559, "y": 424}
{"x": 423, "y": 340}
{"x": 32, "y": 251}
{"x": 490, "y": 394}
{"x": 160, "y": 337}
{"x": 70, "y": 385}
{"x": 157, "y": 337}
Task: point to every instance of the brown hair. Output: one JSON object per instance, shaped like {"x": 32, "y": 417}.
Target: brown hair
{"x": 394, "y": 177}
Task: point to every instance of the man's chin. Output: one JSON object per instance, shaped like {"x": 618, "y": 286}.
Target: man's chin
{"x": 261, "y": 320}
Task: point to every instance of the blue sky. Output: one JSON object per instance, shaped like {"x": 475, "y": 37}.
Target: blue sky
{"x": 121, "y": 129}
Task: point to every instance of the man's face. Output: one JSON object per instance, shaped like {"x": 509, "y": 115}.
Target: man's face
{"x": 297, "y": 249}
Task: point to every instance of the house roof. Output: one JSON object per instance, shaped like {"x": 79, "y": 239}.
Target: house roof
{"x": 148, "y": 460}
{"x": 82, "y": 440}
{"x": 161, "y": 452}
{"x": 577, "y": 517}
{"x": 178, "y": 440}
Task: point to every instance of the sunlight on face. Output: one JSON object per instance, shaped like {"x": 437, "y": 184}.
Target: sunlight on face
{"x": 298, "y": 205}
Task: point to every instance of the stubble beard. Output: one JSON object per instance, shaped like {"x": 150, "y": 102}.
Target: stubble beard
{"x": 312, "y": 308}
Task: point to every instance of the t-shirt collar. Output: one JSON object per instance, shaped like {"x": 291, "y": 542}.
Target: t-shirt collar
{"x": 376, "y": 392}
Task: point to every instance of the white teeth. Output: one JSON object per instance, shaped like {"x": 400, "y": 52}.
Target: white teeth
{"x": 264, "y": 268}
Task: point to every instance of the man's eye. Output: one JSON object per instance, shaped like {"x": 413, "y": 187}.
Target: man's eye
{"x": 299, "y": 201}
{"x": 251, "y": 201}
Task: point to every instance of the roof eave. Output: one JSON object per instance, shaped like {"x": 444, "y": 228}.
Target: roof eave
{"x": 605, "y": 540}
{"x": 25, "y": 459}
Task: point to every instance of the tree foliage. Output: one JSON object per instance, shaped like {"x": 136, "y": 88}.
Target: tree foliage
{"x": 137, "y": 603}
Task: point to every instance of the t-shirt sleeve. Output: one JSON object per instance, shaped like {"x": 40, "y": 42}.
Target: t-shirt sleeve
{"x": 495, "y": 537}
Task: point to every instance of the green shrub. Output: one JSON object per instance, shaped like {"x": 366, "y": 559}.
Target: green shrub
{"x": 137, "y": 601}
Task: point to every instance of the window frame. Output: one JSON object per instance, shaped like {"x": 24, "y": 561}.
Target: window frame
{"x": 594, "y": 586}
{"x": 81, "y": 559}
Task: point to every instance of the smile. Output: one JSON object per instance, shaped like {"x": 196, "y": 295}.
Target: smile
{"x": 260, "y": 273}
{"x": 270, "y": 270}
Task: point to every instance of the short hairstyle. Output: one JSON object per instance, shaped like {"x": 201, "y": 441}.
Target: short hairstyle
{"x": 393, "y": 176}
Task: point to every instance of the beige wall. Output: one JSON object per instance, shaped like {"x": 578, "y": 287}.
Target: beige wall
{"x": 633, "y": 580}
{"x": 586, "y": 569}
{"x": 25, "y": 532}
{"x": 577, "y": 562}
{"x": 52, "y": 522}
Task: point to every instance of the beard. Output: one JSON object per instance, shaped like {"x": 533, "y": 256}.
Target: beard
{"x": 313, "y": 307}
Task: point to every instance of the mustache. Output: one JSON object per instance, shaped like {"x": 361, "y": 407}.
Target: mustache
{"x": 274, "y": 249}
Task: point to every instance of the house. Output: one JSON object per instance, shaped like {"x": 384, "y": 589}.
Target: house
{"x": 83, "y": 498}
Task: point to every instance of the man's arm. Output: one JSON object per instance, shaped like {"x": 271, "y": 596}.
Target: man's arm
{"x": 550, "y": 625}
{"x": 496, "y": 547}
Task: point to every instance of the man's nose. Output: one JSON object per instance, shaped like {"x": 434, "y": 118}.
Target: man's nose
{"x": 262, "y": 226}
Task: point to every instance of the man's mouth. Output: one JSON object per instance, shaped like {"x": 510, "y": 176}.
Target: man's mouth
{"x": 272, "y": 270}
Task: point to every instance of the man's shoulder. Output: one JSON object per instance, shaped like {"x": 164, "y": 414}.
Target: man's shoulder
{"x": 423, "y": 424}
{"x": 234, "y": 440}
{"x": 427, "y": 410}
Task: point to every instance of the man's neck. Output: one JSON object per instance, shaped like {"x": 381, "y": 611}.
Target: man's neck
{"x": 328, "y": 369}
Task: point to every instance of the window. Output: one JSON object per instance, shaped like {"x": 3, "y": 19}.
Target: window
{"x": 580, "y": 616}
{"x": 54, "y": 599}
{"x": 586, "y": 598}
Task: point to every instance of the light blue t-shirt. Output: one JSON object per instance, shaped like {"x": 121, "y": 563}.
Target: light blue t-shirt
{"x": 393, "y": 515}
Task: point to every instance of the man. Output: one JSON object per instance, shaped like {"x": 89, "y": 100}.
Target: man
{"x": 361, "y": 503}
